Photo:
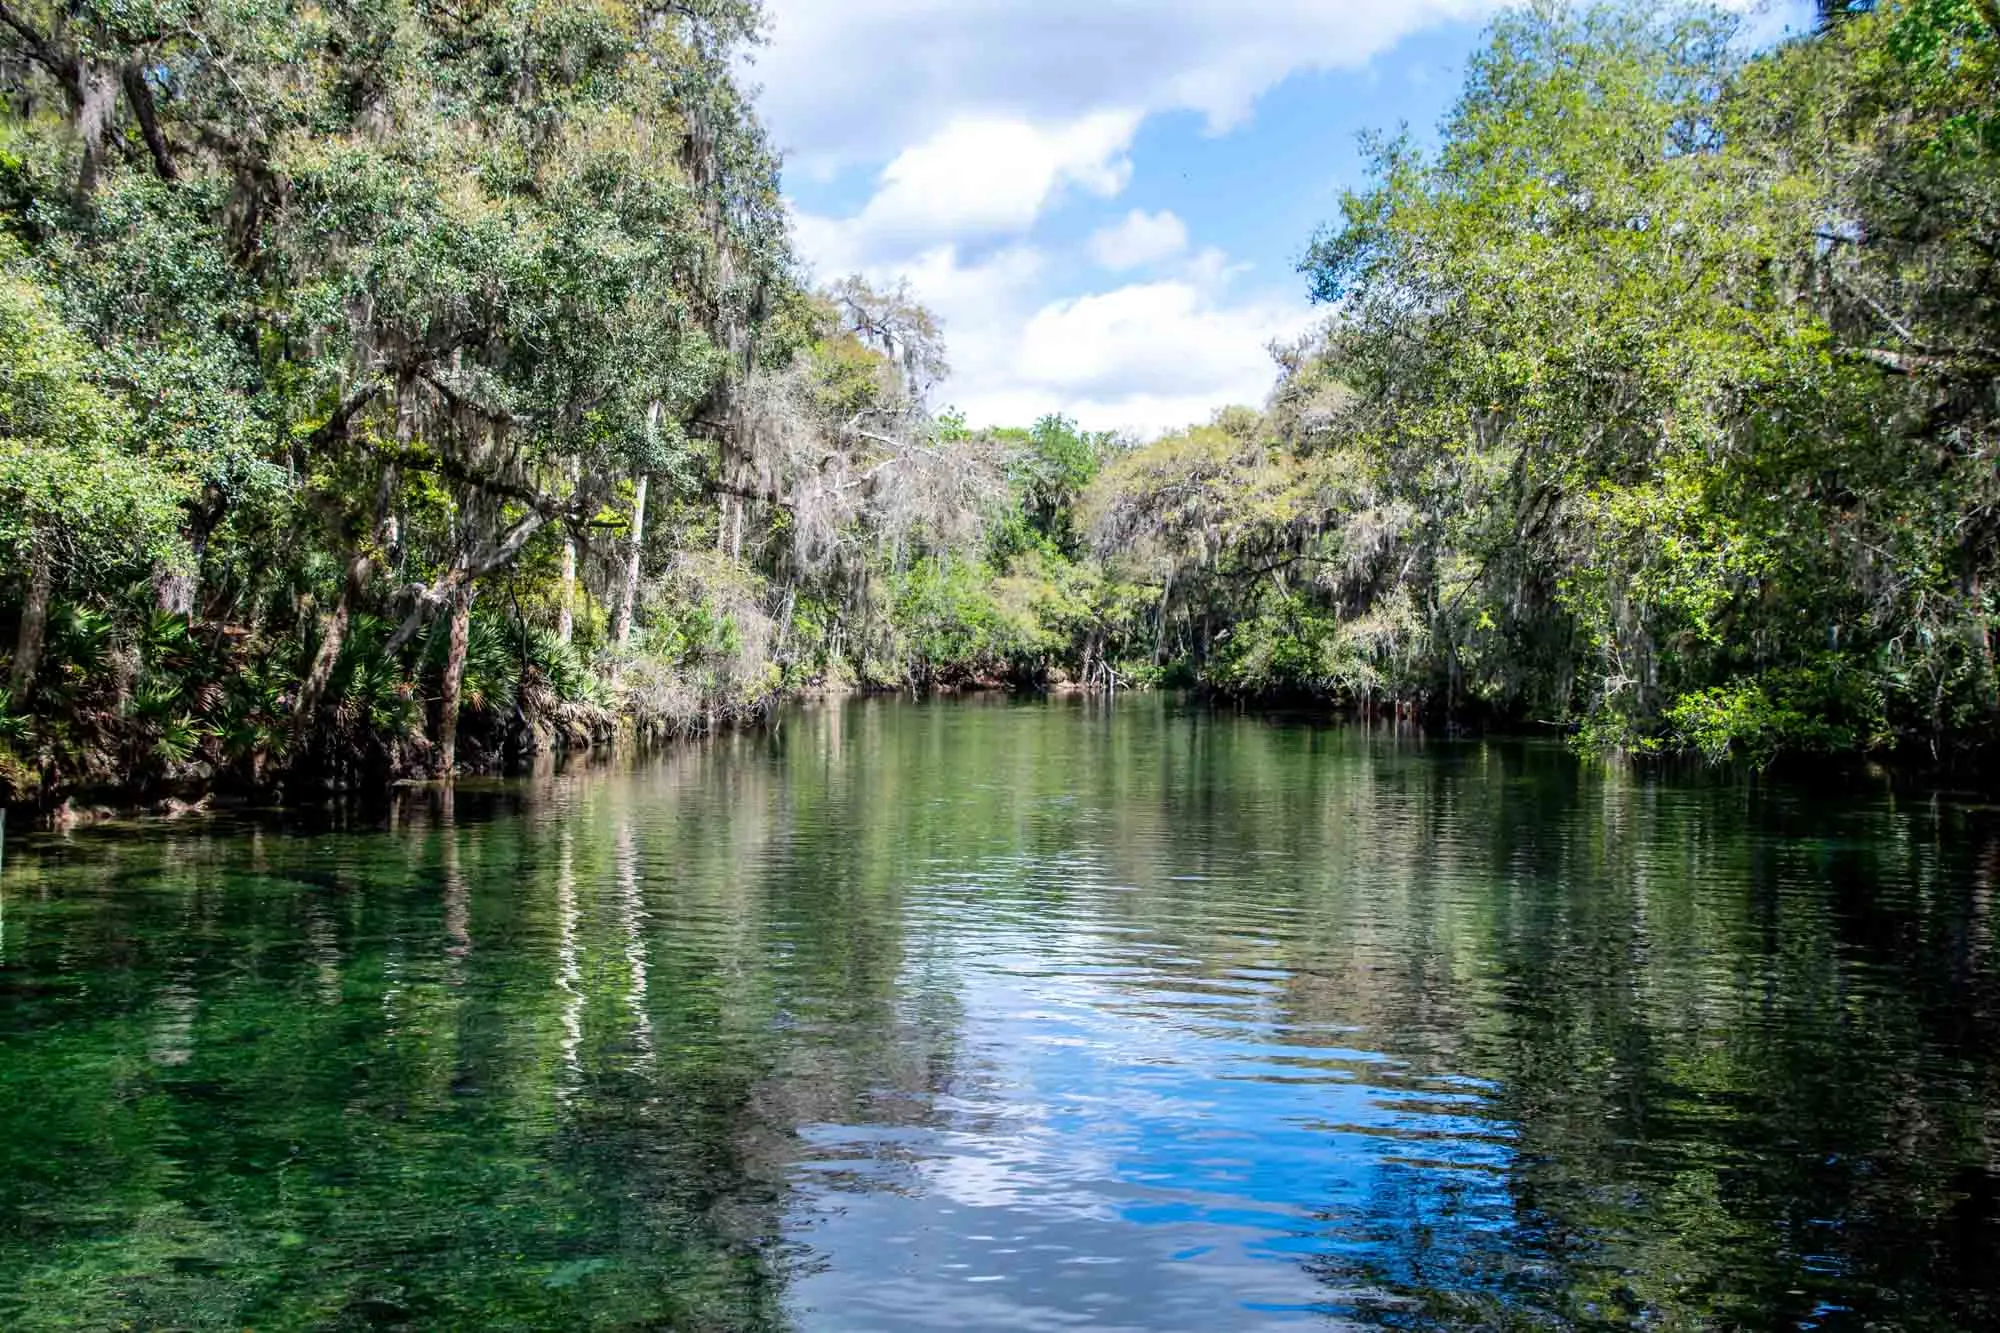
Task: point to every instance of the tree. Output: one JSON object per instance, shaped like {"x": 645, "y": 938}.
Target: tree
{"x": 1616, "y": 343}
{"x": 75, "y": 505}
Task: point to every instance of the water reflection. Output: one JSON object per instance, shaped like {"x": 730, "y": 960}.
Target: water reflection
{"x": 1024, "y": 1017}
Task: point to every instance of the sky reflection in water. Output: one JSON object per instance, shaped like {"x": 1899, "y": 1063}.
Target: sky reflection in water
{"x": 1015, "y": 1017}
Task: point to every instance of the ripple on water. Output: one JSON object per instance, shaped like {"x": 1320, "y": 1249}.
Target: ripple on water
{"x": 1014, "y": 1018}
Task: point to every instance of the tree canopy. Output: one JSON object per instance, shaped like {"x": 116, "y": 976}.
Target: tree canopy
{"x": 391, "y": 385}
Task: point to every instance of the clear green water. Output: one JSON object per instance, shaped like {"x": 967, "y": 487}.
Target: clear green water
{"x": 993, "y": 1016}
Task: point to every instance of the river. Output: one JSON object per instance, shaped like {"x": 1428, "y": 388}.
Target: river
{"x": 1014, "y": 1016}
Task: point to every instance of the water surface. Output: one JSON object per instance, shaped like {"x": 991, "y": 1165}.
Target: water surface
{"x": 1014, "y": 1017}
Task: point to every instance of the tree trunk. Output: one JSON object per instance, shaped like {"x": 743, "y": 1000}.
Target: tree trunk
{"x": 622, "y": 631}
{"x": 175, "y": 590}
{"x": 736, "y": 471}
{"x": 454, "y": 683}
{"x": 785, "y": 610}
{"x": 729, "y": 526}
{"x": 34, "y": 628}
{"x": 333, "y": 633}
{"x": 141, "y": 98}
{"x": 97, "y": 98}
{"x": 332, "y": 638}
{"x": 566, "y": 624}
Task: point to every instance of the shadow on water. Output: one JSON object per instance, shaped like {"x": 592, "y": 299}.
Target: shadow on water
{"x": 1026, "y": 1016}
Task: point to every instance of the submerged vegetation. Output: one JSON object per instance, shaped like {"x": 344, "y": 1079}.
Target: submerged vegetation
{"x": 390, "y": 387}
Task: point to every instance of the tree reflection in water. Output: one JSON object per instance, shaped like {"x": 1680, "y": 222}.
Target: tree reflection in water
{"x": 1013, "y": 1016}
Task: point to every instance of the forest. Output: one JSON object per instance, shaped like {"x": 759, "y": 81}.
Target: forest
{"x": 394, "y": 388}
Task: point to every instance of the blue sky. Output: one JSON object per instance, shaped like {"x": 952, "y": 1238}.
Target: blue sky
{"x": 1104, "y": 200}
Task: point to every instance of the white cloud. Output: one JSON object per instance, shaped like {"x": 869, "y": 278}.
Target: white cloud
{"x": 1140, "y": 238}
{"x": 938, "y": 276}
{"x": 981, "y": 117}
{"x": 1145, "y": 357}
{"x": 1148, "y": 337}
{"x": 828, "y": 246}
{"x": 1151, "y": 356}
{"x": 855, "y": 81}
{"x": 995, "y": 174}
{"x": 974, "y": 179}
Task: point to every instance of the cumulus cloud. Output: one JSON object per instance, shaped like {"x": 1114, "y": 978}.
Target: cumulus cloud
{"x": 1150, "y": 356}
{"x": 974, "y": 179}
{"x": 1154, "y": 337}
{"x": 1138, "y": 239}
{"x": 975, "y": 120}
{"x": 993, "y": 174}
{"x": 856, "y": 81}
{"x": 940, "y": 276}
{"x": 1145, "y": 356}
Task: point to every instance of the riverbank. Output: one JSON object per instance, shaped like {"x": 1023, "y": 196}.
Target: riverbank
{"x": 1913, "y": 773}
{"x": 487, "y": 746}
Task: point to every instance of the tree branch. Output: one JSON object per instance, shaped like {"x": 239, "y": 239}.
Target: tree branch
{"x": 140, "y": 95}
{"x": 429, "y": 598}
{"x": 43, "y": 52}
{"x": 1920, "y": 363}
{"x": 336, "y": 425}
{"x": 498, "y": 416}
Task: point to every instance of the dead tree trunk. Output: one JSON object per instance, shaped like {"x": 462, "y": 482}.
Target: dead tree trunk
{"x": 566, "y": 621}
{"x": 452, "y": 696}
{"x": 733, "y": 470}
{"x": 731, "y": 535}
{"x": 629, "y": 595}
{"x": 175, "y": 590}
{"x": 34, "y": 628}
